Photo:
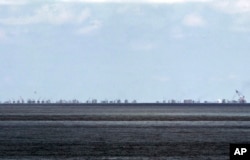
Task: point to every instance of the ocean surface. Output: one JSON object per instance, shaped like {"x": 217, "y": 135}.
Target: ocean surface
{"x": 121, "y": 132}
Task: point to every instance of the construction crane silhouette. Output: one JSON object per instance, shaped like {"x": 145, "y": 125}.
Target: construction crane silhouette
{"x": 241, "y": 97}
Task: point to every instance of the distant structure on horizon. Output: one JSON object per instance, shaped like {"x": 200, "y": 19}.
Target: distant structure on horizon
{"x": 241, "y": 99}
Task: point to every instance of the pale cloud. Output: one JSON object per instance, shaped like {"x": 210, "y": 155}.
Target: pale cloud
{"x": 177, "y": 33}
{"x": 240, "y": 28}
{"x": 13, "y": 2}
{"x": 143, "y": 46}
{"x": 232, "y": 6}
{"x": 136, "y": 10}
{"x": 239, "y": 10}
{"x": 53, "y": 14}
{"x": 2, "y": 34}
{"x": 95, "y": 25}
{"x": 50, "y": 13}
{"x": 233, "y": 77}
{"x": 7, "y": 79}
{"x": 136, "y": 1}
{"x": 241, "y": 23}
{"x": 194, "y": 20}
{"x": 161, "y": 78}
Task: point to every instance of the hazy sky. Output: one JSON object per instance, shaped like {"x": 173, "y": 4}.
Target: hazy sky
{"x": 129, "y": 49}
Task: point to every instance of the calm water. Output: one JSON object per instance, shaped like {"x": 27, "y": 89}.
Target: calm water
{"x": 126, "y": 110}
{"x": 140, "y": 139}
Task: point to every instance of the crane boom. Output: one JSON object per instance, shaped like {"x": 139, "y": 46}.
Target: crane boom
{"x": 241, "y": 97}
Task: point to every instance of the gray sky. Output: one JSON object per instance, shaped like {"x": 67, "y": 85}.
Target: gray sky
{"x": 108, "y": 49}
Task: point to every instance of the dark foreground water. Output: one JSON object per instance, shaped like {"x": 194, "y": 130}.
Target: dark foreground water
{"x": 181, "y": 133}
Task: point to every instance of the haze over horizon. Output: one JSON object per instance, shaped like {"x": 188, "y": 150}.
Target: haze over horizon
{"x": 146, "y": 50}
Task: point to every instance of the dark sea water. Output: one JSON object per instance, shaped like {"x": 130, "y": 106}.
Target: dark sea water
{"x": 121, "y": 132}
